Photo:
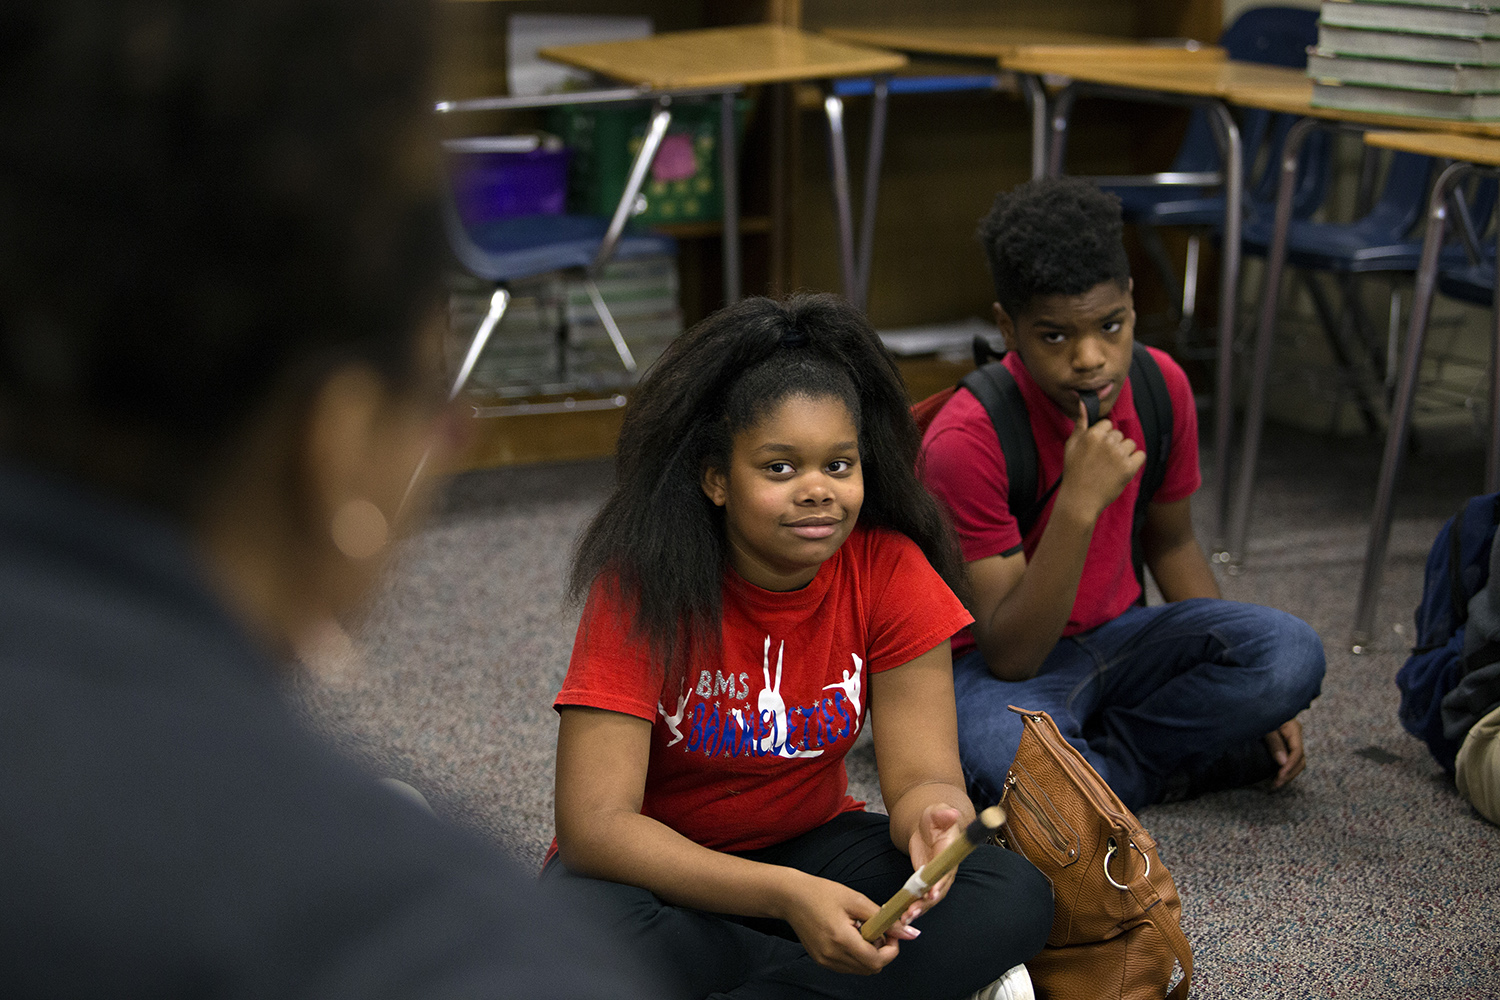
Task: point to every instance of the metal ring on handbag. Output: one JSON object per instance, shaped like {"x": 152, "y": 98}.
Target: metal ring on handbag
{"x": 1111, "y": 853}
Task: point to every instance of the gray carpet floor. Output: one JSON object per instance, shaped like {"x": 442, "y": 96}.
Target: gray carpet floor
{"x": 1367, "y": 877}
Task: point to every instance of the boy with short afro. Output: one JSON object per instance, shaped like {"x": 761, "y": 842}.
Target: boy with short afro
{"x": 1166, "y": 702}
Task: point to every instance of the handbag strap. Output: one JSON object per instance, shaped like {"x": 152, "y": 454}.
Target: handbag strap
{"x": 1178, "y": 942}
{"x": 1181, "y": 950}
{"x": 1170, "y": 930}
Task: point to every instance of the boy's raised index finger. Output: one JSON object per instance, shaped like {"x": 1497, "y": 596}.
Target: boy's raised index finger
{"x": 1090, "y": 401}
{"x": 1081, "y": 417}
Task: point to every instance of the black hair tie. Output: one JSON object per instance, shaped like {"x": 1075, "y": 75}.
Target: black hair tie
{"x": 794, "y": 338}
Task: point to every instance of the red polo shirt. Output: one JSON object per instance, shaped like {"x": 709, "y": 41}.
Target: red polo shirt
{"x": 965, "y": 468}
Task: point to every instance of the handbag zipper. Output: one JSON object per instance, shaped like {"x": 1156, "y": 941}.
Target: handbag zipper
{"x": 1084, "y": 781}
{"x": 1035, "y": 809}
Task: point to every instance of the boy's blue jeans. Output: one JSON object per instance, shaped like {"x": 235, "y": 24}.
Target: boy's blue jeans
{"x": 1157, "y": 692}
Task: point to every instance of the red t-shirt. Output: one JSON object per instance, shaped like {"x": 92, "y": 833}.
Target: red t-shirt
{"x": 749, "y": 751}
{"x": 964, "y": 466}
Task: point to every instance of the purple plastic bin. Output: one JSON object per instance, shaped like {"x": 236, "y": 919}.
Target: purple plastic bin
{"x": 499, "y": 179}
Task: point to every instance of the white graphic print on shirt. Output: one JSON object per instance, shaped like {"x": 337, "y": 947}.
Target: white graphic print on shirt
{"x": 771, "y": 703}
{"x": 850, "y": 684}
{"x": 710, "y": 727}
{"x": 673, "y": 721}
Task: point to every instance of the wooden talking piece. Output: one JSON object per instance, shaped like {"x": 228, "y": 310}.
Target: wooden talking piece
{"x": 977, "y": 832}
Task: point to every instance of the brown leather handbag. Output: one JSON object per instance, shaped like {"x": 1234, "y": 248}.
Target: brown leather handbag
{"x": 1116, "y": 930}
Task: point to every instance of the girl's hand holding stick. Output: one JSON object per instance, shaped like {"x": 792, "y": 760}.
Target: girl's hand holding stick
{"x": 984, "y": 826}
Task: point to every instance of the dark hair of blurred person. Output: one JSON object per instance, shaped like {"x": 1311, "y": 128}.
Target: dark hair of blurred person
{"x": 217, "y": 257}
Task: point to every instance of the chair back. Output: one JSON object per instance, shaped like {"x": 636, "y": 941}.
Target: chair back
{"x": 1474, "y": 280}
{"x": 1402, "y": 200}
{"x": 1481, "y": 207}
{"x": 1276, "y": 36}
{"x": 1314, "y": 167}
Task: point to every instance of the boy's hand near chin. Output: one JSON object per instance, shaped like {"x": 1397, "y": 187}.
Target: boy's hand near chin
{"x": 1098, "y": 463}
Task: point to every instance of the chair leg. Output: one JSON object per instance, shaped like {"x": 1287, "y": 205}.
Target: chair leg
{"x": 1392, "y": 345}
{"x": 1265, "y": 328}
{"x": 1359, "y": 330}
{"x": 1156, "y": 252}
{"x": 873, "y": 155}
{"x": 1333, "y": 330}
{"x": 833, "y": 109}
{"x": 607, "y": 318}
{"x": 656, "y": 131}
{"x": 499, "y": 302}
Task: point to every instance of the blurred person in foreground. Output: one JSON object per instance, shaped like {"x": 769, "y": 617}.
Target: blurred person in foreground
{"x": 217, "y": 258}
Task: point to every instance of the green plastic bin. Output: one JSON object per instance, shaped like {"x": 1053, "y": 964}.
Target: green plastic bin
{"x": 683, "y": 184}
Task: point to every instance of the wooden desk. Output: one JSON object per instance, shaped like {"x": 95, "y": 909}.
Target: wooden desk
{"x": 750, "y": 55}
{"x": 988, "y": 43}
{"x": 993, "y": 44}
{"x": 1186, "y": 72}
{"x": 1183, "y": 77}
{"x": 1448, "y": 146}
{"x": 713, "y": 57}
{"x": 1292, "y": 94}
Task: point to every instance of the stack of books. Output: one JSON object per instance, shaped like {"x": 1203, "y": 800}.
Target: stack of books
{"x": 1434, "y": 58}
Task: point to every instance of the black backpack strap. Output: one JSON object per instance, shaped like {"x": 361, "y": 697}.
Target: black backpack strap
{"x": 995, "y": 388}
{"x": 1153, "y": 404}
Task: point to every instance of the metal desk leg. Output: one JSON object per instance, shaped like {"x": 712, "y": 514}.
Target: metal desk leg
{"x": 1230, "y": 152}
{"x": 1057, "y": 147}
{"x": 833, "y": 107}
{"x": 729, "y": 185}
{"x": 1255, "y": 410}
{"x": 1036, "y": 100}
{"x": 873, "y": 155}
{"x": 1406, "y": 390}
{"x": 855, "y": 264}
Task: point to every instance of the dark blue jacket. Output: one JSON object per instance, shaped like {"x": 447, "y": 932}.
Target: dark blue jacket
{"x": 167, "y": 829}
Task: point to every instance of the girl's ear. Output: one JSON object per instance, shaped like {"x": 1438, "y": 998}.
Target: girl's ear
{"x": 715, "y": 485}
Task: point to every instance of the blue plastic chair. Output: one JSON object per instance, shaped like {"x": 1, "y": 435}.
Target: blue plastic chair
{"x": 525, "y": 246}
{"x": 1383, "y": 240}
{"x": 510, "y": 249}
{"x": 506, "y": 250}
{"x": 1277, "y": 36}
{"x": 1470, "y": 282}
